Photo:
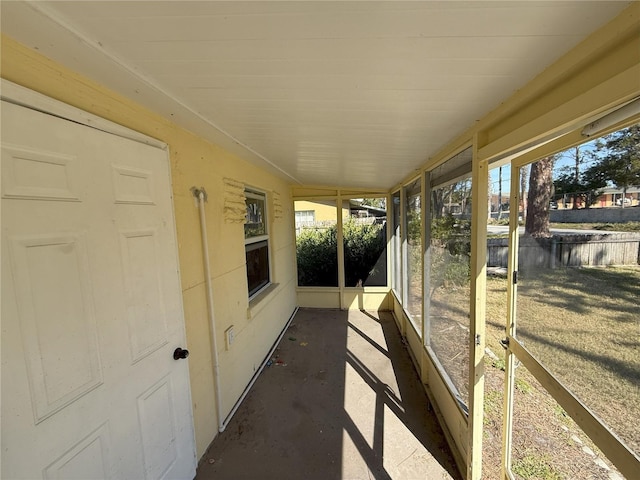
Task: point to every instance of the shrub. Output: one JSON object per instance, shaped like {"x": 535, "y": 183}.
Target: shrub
{"x": 450, "y": 251}
{"x": 452, "y": 233}
{"x": 363, "y": 247}
{"x": 316, "y": 250}
{"x": 317, "y": 254}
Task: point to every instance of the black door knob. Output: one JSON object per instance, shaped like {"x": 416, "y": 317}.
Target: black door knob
{"x": 179, "y": 353}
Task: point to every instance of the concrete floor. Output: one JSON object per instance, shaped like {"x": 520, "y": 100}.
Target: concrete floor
{"x": 341, "y": 401}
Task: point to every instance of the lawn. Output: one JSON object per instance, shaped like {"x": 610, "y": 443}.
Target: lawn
{"x": 584, "y": 326}
{"x": 618, "y": 227}
{"x": 605, "y": 227}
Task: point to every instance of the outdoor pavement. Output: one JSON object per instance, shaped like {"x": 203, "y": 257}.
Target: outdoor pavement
{"x": 340, "y": 401}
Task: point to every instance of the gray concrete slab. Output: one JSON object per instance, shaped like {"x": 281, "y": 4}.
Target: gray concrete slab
{"x": 341, "y": 401}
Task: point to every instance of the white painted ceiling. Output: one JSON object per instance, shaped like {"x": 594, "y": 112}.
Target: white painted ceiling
{"x": 325, "y": 93}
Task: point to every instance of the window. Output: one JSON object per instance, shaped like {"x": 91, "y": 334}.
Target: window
{"x": 577, "y": 293}
{"x": 413, "y": 254}
{"x": 396, "y": 242}
{"x": 317, "y": 244}
{"x": 449, "y": 281}
{"x": 305, "y": 217}
{"x": 448, "y": 271}
{"x": 256, "y": 240}
{"x": 365, "y": 243}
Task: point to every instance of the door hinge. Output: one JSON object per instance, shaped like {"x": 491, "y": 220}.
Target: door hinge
{"x": 515, "y": 277}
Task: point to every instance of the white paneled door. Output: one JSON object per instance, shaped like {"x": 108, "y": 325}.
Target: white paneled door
{"x": 91, "y": 307}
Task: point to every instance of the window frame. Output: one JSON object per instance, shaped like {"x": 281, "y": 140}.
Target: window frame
{"x": 518, "y": 353}
{"x": 385, "y": 231}
{"x": 307, "y": 213}
{"x": 396, "y": 242}
{"x": 252, "y": 243}
{"x": 412, "y": 189}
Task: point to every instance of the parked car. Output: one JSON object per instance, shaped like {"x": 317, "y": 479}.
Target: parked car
{"x": 553, "y": 205}
{"x": 627, "y": 201}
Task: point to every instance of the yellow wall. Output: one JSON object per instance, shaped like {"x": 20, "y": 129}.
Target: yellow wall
{"x": 368, "y": 298}
{"x": 325, "y": 210}
{"x": 194, "y": 162}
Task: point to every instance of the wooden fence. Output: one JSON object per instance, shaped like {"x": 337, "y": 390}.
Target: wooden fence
{"x": 568, "y": 250}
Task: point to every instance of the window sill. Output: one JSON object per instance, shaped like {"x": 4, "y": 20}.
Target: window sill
{"x": 259, "y": 300}
{"x": 367, "y": 289}
{"x": 318, "y": 289}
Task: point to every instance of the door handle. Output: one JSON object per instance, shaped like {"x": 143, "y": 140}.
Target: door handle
{"x": 179, "y": 353}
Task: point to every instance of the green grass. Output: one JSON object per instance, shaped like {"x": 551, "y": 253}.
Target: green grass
{"x": 499, "y": 364}
{"x": 617, "y": 227}
{"x": 583, "y": 324}
{"x": 536, "y": 467}
{"x": 523, "y": 386}
{"x": 561, "y": 414}
{"x": 605, "y": 227}
{"x": 492, "y": 402}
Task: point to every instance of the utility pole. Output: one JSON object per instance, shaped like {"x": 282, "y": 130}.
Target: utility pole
{"x": 576, "y": 177}
{"x": 499, "y": 193}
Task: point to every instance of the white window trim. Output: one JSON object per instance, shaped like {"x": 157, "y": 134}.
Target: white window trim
{"x": 251, "y": 192}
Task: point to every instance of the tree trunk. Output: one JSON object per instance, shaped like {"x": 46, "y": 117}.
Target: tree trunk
{"x": 576, "y": 178}
{"x": 524, "y": 172}
{"x": 437, "y": 203}
{"x": 540, "y": 182}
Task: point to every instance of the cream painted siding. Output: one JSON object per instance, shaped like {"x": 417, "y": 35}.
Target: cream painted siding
{"x": 194, "y": 162}
{"x": 325, "y": 210}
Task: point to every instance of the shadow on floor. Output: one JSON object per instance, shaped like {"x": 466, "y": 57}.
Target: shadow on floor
{"x": 341, "y": 401}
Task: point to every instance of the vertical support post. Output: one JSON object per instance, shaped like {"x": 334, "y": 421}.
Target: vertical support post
{"x": 404, "y": 254}
{"x": 510, "y": 327}
{"x": 340, "y": 242}
{"x": 390, "y": 249}
{"x": 426, "y": 271}
{"x": 479, "y": 195}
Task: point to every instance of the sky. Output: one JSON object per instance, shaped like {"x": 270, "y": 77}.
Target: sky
{"x": 565, "y": 161}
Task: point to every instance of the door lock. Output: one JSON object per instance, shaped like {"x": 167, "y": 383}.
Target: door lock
{"x": 179, "y": 353}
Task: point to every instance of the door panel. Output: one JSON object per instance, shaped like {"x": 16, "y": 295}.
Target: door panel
{"x": 91, "y": 307}
{"x": 59, "y": 333}
{"x": 147, "y": 328}
{"x": 85, "y": 460}
{"x": 29, "y": 173}
{"x": 155, "y": 409}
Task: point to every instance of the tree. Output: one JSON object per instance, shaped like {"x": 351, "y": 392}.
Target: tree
{"x": 571, "y": 180}
{"x": 439, "y": 197}
{"x": 585, "y": 189}
{"x": 540, "y": 184}
{"x": 619, "y": 163}
{"x": 524, "y": 175}
{"x": 374, "y": 202}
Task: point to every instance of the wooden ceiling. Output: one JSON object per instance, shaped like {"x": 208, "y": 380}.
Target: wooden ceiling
{"x": 323, "y": 93}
